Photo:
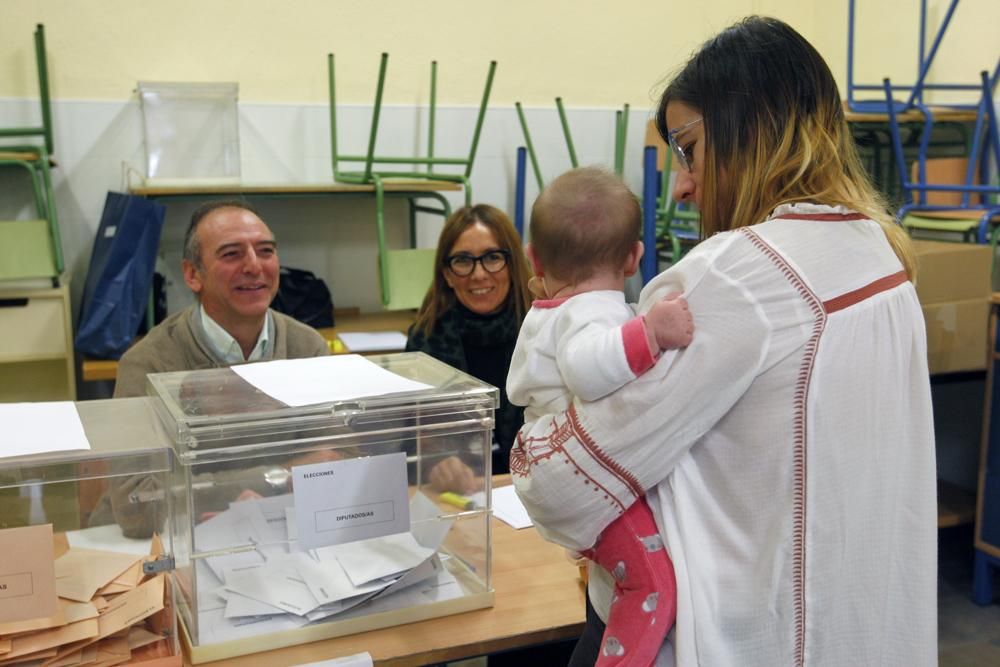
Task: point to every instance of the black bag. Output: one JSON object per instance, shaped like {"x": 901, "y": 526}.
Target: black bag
{"x": 305, "y": 297}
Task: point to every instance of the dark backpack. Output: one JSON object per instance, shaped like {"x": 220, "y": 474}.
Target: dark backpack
{"x": 305, "y": 297}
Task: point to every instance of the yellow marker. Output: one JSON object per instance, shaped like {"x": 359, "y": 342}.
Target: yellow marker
{"x": 336, "y": 346}
{"x": 461, "y": 502}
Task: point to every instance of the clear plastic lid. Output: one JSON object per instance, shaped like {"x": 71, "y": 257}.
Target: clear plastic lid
{"x": 124, "y": 432}
{"x": 208, "y": 411}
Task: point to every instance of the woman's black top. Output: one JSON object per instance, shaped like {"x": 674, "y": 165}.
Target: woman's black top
{"x": 482, "y": 346}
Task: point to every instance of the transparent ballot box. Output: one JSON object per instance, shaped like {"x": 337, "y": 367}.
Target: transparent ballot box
{"x": 324, "y": 497}
{"x": 81, "y": 576}
{"x": 191, "y": 132}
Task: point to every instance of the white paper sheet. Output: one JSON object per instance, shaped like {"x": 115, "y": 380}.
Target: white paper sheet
{"x": 508, "y": 508}
{"x": 327, "y": 580}
{"x": 368, "y": 560}
{"x": 36, "y": 428}
{"x": 442, "y": 586}
{"x": 428, "y": 530}
{"x": 239, "y": 606}
{"x": 107, "y": 538}
{"x": 356, "y": 660}
{"x": 276, "y": 583}
{"x": 268, "y": 518}
{"x": 298, "y": 382}
{"x": 222, "y": 532}
{"x": 214, "y": 627}
{"x": 373, "y": 341}
{"x": 351, "y": 499}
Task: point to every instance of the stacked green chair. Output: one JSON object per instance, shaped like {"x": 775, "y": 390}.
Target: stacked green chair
{"x": 621, "y": 132}
{"x": 402, "y": 272}
{"x": 32, "y": 248}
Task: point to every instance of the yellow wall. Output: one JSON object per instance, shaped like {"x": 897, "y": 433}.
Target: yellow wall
{"x": 592, "y": 52}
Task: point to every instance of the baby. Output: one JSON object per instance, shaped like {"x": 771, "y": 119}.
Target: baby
{"x": 582, "y": 339}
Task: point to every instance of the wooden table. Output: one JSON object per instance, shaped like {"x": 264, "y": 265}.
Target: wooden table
{"x": 348, "y": 319}
{"x": 539, "y": 598}
{"x": 196, "y": 191}
{"x": 912, "y": 115}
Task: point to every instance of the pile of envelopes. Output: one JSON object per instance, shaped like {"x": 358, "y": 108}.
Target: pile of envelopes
{"x": 275, "y": 587}
{"x": 107, "y": 612}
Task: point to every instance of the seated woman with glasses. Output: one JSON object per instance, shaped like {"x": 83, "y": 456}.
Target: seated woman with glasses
{"x": 471, "y": 316}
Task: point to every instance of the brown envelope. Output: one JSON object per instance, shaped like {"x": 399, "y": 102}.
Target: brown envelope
{"x": 27, "y": 578}
{"x": 81, "y": 572}
{"x": 38, "y": 641}
{"x": 71, "y": 660}
{"x": 130, "y": 578}
{"x": 114, "y": 589}
{"x": 125, "y": 610}
{"x": 159, "y": 654}
{"x": 67, "y": 612}
{"x": 139, "y": 637}
{"x": 28, "y": 658}
{"x": 112, "y": 651}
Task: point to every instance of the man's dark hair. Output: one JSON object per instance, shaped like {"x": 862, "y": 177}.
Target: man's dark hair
{"x": 192, "y": 248}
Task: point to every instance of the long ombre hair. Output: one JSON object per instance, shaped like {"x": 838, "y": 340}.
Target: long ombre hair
{"x": 441, "y": 298}
{"x": 775, "y": 131}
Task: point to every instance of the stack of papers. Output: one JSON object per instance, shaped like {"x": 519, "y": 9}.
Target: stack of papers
{"x": 373, "y": 341}
{"x": 508, "y": 508}
{"x": 107, "y": 612}
{"x": 275, "y": 587}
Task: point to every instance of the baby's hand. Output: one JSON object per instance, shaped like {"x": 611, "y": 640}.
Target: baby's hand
{"x": 669, "y": 322}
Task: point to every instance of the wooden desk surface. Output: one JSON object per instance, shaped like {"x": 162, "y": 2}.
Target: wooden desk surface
{"x": 194, "y": 189}
{"x": 940, "y": 114}
{"x": 347, "y": 320}
{"x": 539, "y": 598}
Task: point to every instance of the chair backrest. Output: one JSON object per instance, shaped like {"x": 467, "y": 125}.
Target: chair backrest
{"x": 370, "y": 159}
{"x": 410, "y": 273}
{"x": 985, "y": 146}
{"x": 944, "y": 171}
{"x": 45, "y": 129}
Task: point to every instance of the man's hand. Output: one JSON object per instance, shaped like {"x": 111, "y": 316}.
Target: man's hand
{"x": 451, "y": 474}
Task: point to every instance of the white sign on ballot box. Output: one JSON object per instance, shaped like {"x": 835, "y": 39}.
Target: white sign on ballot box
{"x": 349, "y": 500}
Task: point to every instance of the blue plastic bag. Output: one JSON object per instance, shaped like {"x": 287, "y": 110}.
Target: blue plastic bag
{"x": 116, "y": 294}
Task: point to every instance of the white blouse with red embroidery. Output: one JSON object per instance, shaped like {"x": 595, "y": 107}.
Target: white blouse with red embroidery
{"x": 788, "y": 452}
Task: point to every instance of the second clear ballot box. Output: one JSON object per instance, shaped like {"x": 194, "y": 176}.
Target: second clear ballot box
{"x": 317, "y": 498}
{"x": 81, "y": 582}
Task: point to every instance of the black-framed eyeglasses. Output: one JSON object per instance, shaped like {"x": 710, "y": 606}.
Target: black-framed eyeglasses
{"x": 463, "y": 264}
{"x": 682, "y": 159}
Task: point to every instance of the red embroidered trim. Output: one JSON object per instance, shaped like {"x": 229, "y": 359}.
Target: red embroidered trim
{"x": 823, "y": 217}
{"x": 550, "y": 303}
{"x": 871, "y": 289}
{"x": 799, "y": 439}
{"x": 606, "y": 462}
{"x": 529, "y": 451}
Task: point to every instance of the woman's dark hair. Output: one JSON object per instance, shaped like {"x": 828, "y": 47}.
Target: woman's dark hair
{"x": 774, "y": 128}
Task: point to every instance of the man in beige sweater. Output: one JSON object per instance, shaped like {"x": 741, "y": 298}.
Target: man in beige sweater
{"x": 231, "y": 264}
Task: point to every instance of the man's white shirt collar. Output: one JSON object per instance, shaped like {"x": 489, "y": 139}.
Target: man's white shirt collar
{"x": 225, "y": 346}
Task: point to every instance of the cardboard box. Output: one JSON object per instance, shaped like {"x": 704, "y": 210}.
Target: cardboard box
{"x": 952, "y": 271}
{"x": 956, "y": 335}
{"x": 954, "y": 287}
